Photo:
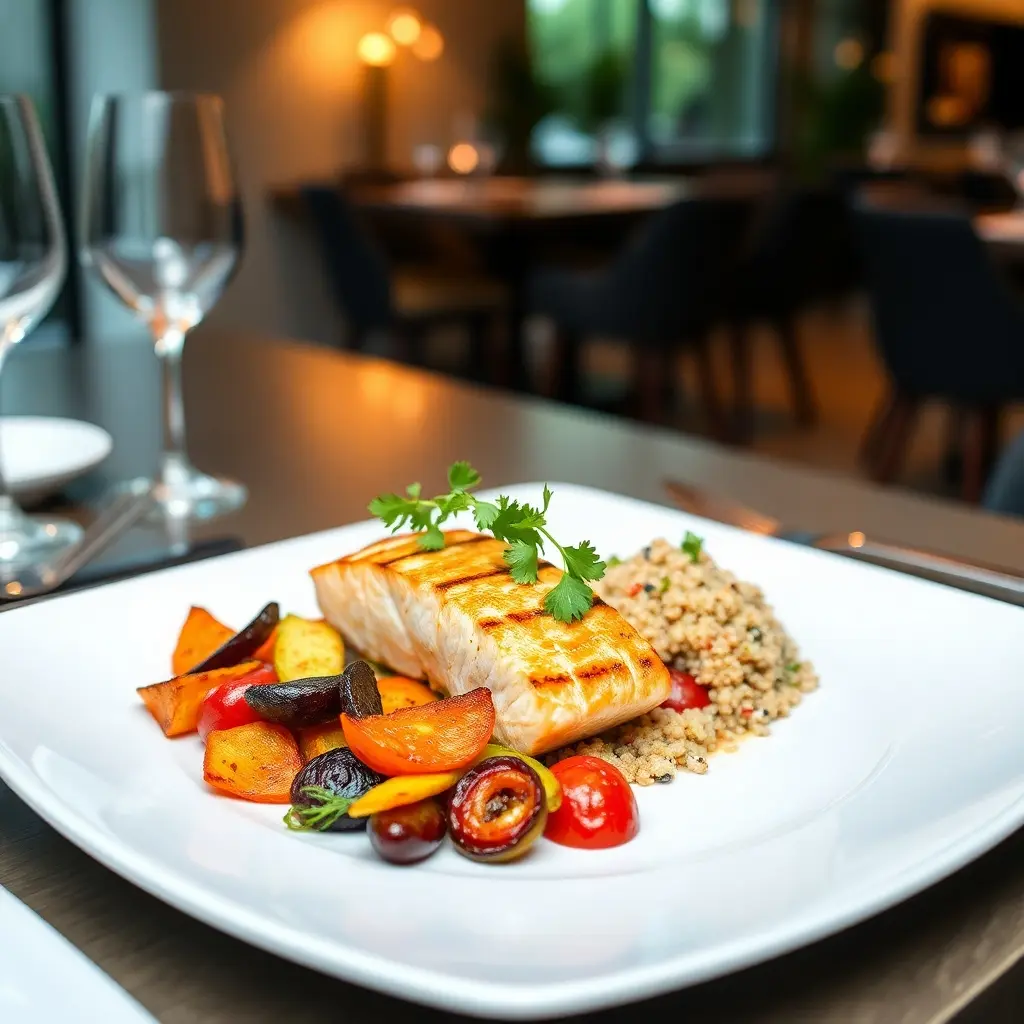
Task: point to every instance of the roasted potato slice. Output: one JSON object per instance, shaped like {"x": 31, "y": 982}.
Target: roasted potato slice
{"x": 306, "y": 649}
{"x": 255, "y": 762}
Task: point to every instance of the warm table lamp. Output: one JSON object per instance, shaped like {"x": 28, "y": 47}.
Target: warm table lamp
{"x": 377, "y": 52}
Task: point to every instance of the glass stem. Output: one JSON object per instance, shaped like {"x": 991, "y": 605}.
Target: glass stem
{"x": 8, "y": 509}
{"x": 174, "y": 461}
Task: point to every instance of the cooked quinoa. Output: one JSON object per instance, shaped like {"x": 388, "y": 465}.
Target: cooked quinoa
{"x": 702, "y": 620}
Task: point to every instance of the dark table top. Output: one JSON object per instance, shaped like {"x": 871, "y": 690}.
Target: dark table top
{"x": 313, "y": 433}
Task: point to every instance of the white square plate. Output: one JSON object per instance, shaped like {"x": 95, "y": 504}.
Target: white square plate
{"x": 905, "y": 765}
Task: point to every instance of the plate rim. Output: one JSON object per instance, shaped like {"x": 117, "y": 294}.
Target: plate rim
{"x": 492, "y": 1000}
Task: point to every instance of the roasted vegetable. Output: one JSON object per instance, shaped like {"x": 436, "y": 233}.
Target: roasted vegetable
{"x": 598, "y": 807}
{"x": 552, "y": 790}
{"x": 409, "y": 834}
{"x": 360, "y": 697}
{"x": 224, "y": 707}
{"x": 175, "y": 704}
{"x": 439, "y": 737}
{"x": 324, "y": 789}
{"x": 244, "y": 645}
{"x": 306, "y": 649}
{"x": 200, "y": 636}
{"x": 254, "y": 762}
{"x": 399, "y": 692}
{"x": 318, "y": 739}
{"x": 497, "y": 810}
{"x": 298, "y": 704}
{"x": 405, "y": 789}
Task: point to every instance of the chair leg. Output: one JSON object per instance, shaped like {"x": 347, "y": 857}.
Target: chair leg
{"x": 878, "y": 429}
{"x": 799, "y": 381}
{"x": 709, "y": 397}
{"x": 742, "y": 383}
{"x": 567, "y": 385}
{"x": 893, "y": 446}
{"x": 981, "y": 440}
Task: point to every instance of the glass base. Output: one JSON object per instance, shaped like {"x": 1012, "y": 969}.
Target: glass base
{"x": 183, "y": 493}
{"x": 30, "y": 541}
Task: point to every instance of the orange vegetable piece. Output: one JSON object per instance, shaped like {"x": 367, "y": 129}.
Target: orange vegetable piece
{"x": 200, "y": 636}
{"x": 400, "y": 692}
{"x": 442, "y": 736}
{"x": 175, "y": 704}
{"x": 399, "y": 792}
{"x": 318, "y": 739}
{"x": 258, "y": 762}
{"x": 266, "y": 652}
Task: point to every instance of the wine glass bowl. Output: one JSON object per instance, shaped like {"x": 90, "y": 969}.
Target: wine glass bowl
{"x": 33, "y": 262}
{"x": 163, "y": 232}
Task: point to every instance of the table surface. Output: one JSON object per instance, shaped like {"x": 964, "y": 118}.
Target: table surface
{"x": 312, "y": 433}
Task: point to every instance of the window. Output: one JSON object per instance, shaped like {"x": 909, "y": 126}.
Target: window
{"x": 660, "y": 80}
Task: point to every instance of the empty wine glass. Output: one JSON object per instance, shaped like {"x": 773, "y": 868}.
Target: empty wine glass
{"x": 33, "y": 261}
{"x": 163, "y": 231}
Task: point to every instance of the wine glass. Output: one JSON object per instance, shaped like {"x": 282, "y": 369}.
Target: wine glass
{"x": 163, "y": 231}
{"x": 33, "y": 261}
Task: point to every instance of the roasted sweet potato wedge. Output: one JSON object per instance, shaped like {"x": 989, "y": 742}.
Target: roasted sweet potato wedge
{"x": 175, "y": 703}
{"x": 255, "y": 762}
{"x": 318, "y": 739}
{"x": 200, "y": 636}
{"x": 306, "y": 649}
{"x": 399, "y": 692}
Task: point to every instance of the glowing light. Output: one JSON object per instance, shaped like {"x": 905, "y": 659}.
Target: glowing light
{"x": 430, "y": 44}
{"x": 13, "y": 588}
{"x": 849, "y": 54}
{"x": 405, "y": 26}
{"x": 856, "y": 539}
{"x": 463, "y": 158}
{"x": 376, "y": 49}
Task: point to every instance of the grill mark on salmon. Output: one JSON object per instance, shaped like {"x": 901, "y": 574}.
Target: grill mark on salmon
{"x": 446, "y": 585}
{"x": 596, "y": 671}
{"x": 557, "y": 680}
{"x": 422, "y": 551}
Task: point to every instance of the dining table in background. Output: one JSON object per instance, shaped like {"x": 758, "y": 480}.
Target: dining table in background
{"x": 313, "y": 433}
{"x": 518, "y": 222}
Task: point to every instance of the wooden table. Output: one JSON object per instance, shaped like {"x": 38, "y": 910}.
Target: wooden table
{"x": 313, "y": 433}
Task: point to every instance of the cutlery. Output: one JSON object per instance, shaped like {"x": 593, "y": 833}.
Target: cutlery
{"x": 117, "y": 517}
{"x": 952, "y": 571}
{"x": 34, "y": 956}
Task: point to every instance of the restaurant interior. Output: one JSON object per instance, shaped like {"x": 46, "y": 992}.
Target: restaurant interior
{"x": 724, "y": 294}
{"x": 681, "y": 212}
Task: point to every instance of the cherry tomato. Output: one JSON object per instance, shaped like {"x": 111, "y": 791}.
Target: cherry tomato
{"x": 686, "y": 692}
{"x": 224, "y": 707}
{"x": 598, "y": 808}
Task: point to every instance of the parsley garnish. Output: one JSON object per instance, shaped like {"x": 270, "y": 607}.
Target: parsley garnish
{"x": 692, "y": 546}
{"x": 665, "y": 584}
{"x": 318, "y": 817}
{"x": 522, "y": 527}
{"x": 614, "y": 560}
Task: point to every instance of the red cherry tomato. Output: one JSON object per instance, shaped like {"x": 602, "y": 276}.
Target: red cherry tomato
{"x": 598, "y": 808}
{"x": 224, "y": 706}
{"x": 686, "y": 692}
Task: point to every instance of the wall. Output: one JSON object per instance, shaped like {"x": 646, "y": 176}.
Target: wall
{"x": 291, "y": 82}
{"x": 905, "y": 32}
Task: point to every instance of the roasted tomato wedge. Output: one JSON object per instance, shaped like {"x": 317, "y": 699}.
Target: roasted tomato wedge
{"x": 598, "y": 808}
{"x": 405, "y": 835}
{"x": 497, "y": 810}
{"x": 686, "y": 692}
{"x": 439, "y": 737}
{"x": 224, "y": 707}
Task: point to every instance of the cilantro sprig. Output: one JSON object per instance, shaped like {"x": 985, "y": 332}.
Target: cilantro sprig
{"x": 521, "y": 526}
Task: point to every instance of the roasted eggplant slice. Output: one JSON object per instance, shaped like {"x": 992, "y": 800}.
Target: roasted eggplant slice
{"x": 325, "y": 788}
{"x": 360, "y": 697}
{"x": 298, "y": 704}
{"x": 243, "y": 645}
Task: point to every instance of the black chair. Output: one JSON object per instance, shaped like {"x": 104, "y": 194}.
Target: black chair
{"x": 405, "y": 304}
{"x": 801, "y": 253}
{"x": 665, "y": 290}
{"x": 948, "y": 328}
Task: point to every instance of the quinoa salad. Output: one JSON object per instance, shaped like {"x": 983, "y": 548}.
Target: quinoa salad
{"x": 702, "y": 621}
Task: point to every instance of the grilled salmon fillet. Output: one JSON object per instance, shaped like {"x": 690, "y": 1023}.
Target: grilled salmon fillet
{"x": 457, "y": 618}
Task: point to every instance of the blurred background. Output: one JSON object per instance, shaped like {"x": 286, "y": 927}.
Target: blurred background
{"x": 789, "y": 226}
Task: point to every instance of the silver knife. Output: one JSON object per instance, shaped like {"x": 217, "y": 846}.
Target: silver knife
{"x": 956, "y": 572}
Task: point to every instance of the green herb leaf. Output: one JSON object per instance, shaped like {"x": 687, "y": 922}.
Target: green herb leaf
{"x": 414, "y": 491}
{"x": 794, "y": 666}
{"x": 692, "y": 545}
{"x": 485, "y": 514}
{"x": 390, "y": 508}
{"x": 613, "y": 561}
{"x": 324, "y": 809}
{"x": 665, "y": 584}
{"x": 583, "y": 562}
{"x": 432, "y": 539}
{"x": 570, "y": 600}
{"x": 548, "y": 495}
{"x": 462, "y": 476}
{"x": 521, "y": 558}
